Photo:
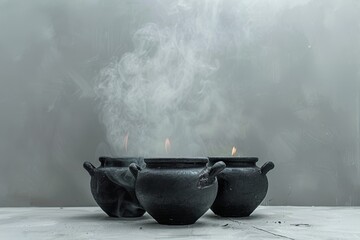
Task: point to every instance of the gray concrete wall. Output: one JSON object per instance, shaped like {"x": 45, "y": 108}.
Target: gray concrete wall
{"x": 277, "y": 79}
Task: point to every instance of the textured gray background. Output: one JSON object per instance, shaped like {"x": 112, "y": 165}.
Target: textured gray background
{"x": 278, "y": 79}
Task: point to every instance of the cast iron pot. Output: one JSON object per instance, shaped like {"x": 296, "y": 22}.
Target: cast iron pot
{"x": 242, "y": 186}
{"x": 176, "y": 191}
{"x": 112, "y": 186}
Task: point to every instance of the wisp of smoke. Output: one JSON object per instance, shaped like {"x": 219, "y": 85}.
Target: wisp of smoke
{"x": 163, "y": 87}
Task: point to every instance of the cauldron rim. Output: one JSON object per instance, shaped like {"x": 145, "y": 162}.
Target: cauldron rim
{"x": 233, "y": 159}
{"x": 182, "y": 160}
{"x": 117, "y": 161}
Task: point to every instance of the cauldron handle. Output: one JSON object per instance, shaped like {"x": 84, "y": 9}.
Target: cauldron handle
{"x": 267, "y": 167}
{"x": 215, "y": 169}
{"x": 134, "y": 169}
{"x": 208, "y": 176}
{"x": 89, "y": 167}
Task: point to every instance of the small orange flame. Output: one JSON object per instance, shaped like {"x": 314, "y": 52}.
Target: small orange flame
{"x": 126, "y": 141}
{"x": 233, "y": 151}
{"x": 167, "y": 145}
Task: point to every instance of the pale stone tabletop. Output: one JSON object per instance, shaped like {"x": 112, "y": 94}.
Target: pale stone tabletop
{"x": 265, "y": 223}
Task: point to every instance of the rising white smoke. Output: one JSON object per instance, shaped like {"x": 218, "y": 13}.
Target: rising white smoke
{"x": 164, "y": 87}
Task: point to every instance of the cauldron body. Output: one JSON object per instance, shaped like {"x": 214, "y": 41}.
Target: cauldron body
{"x": 113, "y": 187}
{"x": 176, "y": 191}
{"x": 242, "y": 186}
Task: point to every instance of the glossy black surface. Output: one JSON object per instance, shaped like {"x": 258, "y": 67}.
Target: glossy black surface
{"x": 176, "y": 191}
{"x": 242, "y": 186}
{"x": 112, "y": 186}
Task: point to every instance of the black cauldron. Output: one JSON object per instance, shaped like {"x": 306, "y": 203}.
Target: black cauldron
{"x": 176, "y": 191}
{"x": 242, "y": 186}
{"x": 112, "y": 186}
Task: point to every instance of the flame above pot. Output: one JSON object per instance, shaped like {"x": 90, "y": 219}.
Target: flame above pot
{"x": 167, "y": 145}
{"x": 233, "y": 151}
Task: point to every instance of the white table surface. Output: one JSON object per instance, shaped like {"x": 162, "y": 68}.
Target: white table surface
{"x": 265, "y": 223}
